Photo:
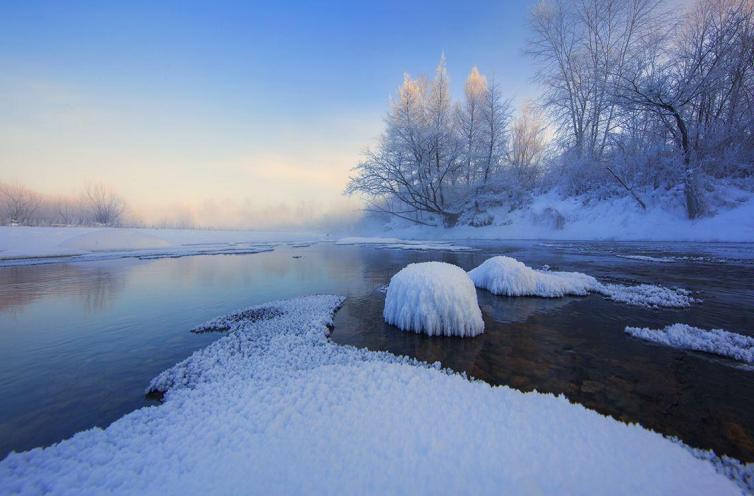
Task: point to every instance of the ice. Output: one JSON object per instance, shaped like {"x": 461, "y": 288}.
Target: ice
{"x": 434, "y": 298}
{"x": 507, "y": 276}
{"x": 273, "y": 407}
{"x": 648, "y": 258}
{"x": 717, "y": 341}
{"x": 403, "y": 244}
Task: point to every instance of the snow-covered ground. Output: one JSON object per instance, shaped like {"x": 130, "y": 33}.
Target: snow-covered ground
{"x": 507, "y": 276}
{"x": 35, "y": 245}
{"x": 433, "y": 298}
{"x": 552, "y": 217}
{"x": 717, "y": 341}
{"x": 273, "y": 407}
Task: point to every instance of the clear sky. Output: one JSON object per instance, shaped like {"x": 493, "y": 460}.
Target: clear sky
{"x": 241, "y": 113}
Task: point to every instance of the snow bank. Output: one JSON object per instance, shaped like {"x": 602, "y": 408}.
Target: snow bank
{"x": 717, "y": 341}
{"x": 45, "y": 245}
{"x": 114, "y": 239}
{"x": 273, "y": 407}
{"x": 507, "y": 276}
{"x": 664, "y": 219}
{"x": 435, "y": 298}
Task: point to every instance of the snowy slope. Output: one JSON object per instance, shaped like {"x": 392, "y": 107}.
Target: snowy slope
{"x": 275, "y": 408}
{"x": 613, "y": 219}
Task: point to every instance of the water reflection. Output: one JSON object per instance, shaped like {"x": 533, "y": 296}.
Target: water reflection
{"x": 94, "y": 285}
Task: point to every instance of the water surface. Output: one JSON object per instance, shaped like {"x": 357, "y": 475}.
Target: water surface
{"x": 80, "y": 341}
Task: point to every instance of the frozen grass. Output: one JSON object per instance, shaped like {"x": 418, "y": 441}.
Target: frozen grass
{"x": 273, "y": 407}
{"x": 433, "y": 298}
{"x": 717, "y": 341}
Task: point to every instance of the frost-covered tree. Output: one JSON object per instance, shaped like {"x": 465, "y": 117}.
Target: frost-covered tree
{"x": 19, "y": 204}
{"x": 582, "y": 46}
{"x": 527, "y": 144}
{"x": 104, "y": 205}
{"x": 494, "y": 131}
{"x": 693, "y": 82}
{"x": 470, "y": 123}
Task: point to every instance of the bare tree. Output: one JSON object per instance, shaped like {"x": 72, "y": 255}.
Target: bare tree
{"x": 470, "y": 123}
{"x": 494, "y": 133}
{"x": 689, "y": 83}
{"x": 582, "y": 46}
{"x": 527, "y": 144}
{"x": 417, "y": 156}
{"x": 105, "y": 206}
{"x": 19, "y": 204}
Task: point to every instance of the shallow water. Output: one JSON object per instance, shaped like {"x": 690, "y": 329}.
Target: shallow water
{"x": 79, "y": 342}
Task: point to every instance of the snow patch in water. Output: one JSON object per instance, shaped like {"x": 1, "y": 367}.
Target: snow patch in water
{"x": 507, "y": 276}
{"x": 716, "y": 341}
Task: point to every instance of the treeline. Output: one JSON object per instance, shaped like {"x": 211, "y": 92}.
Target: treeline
{"x": 97, "y": 205}
{"x": 636, "y": 98}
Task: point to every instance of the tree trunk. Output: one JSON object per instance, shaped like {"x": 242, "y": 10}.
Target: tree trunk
{"x": 694, "y": 200}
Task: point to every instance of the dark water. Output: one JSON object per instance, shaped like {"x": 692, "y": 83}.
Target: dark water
{"x": 79, "y": 342}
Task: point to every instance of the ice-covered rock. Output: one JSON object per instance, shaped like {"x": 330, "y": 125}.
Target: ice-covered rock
{"x": 435, "y": 298}
{"x": 717, "y": 341}
{"x": 507, "y": 276}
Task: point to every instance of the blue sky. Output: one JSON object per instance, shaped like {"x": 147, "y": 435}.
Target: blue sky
{"x": 258, "y": 106}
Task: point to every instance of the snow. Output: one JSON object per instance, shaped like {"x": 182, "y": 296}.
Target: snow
{"x": 664, "y": 219}
{"x": 717, "y": 341}
{"x": 401, "y": 244}
{"x": 435, "y": 298}
{"x": 273, "y": 407}
{"x": 44, "y": 245}
{"x": 648, "y": 295}
{"x": 507, "y": 276}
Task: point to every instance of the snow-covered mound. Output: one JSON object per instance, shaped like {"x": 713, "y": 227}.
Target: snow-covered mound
{"x": 435, "y": 298}
{"x": 273, "y": 407}
{"x": 717, "y": 341}
{"x": 507, "y": 276}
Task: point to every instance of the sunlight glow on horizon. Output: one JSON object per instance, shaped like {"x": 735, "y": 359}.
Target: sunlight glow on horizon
{"x": 185, "y": 108}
